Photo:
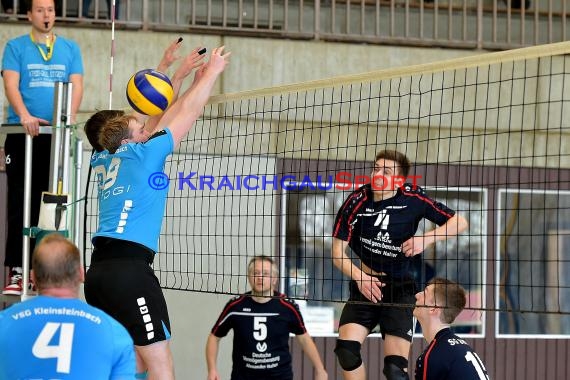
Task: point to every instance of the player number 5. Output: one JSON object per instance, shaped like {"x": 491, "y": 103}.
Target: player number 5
{"x": 259, "y": 328}
{"x": 62, "y": 351}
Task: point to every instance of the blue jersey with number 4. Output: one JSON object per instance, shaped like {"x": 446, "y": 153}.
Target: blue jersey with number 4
{"x": 63, "y": 338}
{"x": 133, "y": 190}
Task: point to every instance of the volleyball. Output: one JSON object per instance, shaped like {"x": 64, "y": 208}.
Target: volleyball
{"x": 149, "y": 92}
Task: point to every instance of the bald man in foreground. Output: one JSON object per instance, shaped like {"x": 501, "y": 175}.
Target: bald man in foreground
{"x": 55, "y": 335}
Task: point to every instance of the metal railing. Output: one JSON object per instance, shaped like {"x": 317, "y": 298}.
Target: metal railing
{"x": 489, "y": 24}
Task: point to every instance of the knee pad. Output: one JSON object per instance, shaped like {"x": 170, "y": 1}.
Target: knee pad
{"x": 394, "y": 367}
{"x": 348, "y": 354}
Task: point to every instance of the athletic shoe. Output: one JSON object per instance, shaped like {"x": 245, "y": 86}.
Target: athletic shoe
{"x": 14, "y": 288}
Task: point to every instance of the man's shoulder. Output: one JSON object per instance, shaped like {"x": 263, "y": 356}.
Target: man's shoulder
{"x": 286, "y": 300}
{"x": 358, "y": 196}
{"x": 18, "y": 41}
{"x": 238, "y": 299}
{"x": 99, "y": 155}
{"x": 410, "y": 189}
{"x": 157, "y": 134}
{"x": 66, "y": 40}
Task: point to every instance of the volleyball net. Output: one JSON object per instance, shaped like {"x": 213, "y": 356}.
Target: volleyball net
{"x": 265, "y": 172}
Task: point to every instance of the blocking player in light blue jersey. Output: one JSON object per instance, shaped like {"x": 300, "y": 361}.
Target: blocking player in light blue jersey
{"x": 120, "y": 279}
{"x": 57, "y": 336}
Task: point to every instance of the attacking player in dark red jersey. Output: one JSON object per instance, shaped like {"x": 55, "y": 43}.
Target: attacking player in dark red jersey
{"x": 378, "y": 222}
{"x": 262, "y": 320}
{"x": 447, "y": 356}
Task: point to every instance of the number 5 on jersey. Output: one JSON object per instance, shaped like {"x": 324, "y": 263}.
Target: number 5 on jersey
{"x": 259, "y": 328}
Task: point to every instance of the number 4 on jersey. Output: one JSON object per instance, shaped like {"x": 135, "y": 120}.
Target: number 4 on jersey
{"x": 384, "y": 218}
{"x": 62, "y": 351}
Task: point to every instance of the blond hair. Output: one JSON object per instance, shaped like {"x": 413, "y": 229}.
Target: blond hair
{"x": 114, "y": 131}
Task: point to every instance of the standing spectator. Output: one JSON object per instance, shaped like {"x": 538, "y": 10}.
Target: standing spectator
{"x": 31, "y": 65}
{"x": 262, "y": 320}
{"x": 55, "y": 335}
{"x": 447, "y": 356}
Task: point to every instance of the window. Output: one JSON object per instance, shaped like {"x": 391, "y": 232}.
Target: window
{"x": 533, "y": 262}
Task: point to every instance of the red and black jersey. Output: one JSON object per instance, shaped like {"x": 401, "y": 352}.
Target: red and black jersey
{"x": 375, "y": 231}
{"x": 449, "y": 357}
{"x": 261, "y": 335}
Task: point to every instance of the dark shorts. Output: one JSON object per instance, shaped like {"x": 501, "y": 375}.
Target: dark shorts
{"x": 393, "y": 319}
{"x": 121, "y": 282}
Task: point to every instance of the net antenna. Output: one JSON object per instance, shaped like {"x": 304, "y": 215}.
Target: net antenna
{"x": 112, "y": 58}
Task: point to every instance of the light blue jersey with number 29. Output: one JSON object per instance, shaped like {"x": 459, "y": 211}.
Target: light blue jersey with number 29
{"x": 133, "y": 190}
{"x": 56, "y": 338}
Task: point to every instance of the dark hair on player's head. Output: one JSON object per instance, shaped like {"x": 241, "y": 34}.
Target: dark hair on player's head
{"x": 93, "y": 126}
{"x": 403, "y": 162}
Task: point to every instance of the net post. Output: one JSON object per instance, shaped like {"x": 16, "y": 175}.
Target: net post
{"x": 77, "y": 188}
{"x": 58, "y": 181}
{"x": 27, "y": 209}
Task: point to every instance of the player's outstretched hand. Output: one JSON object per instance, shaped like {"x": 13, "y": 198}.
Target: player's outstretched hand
{"x": 370, "y": 287}
{"x": 218, "y": 60}
{"x": 192, "y": 61}
{"x": 170, "y": 56}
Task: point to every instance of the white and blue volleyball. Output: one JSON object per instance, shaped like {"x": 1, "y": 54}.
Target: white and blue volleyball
{"x": 149, "y": 92}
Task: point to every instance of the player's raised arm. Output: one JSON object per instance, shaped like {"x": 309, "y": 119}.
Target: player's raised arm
{"x": 192, "y": 61}
{"x": 170, "y": 56}
{"x": 182, "y": 115}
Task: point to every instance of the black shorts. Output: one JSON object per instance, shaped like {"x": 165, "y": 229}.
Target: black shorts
{"x": 121, "y": 282}
{"x": 394, "y": 320}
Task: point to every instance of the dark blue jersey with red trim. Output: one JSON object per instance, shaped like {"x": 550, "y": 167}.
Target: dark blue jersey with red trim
{"x": 375, "y": 231}
{"x": 261, "y": 335}
{"x": 449, "y": 357}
